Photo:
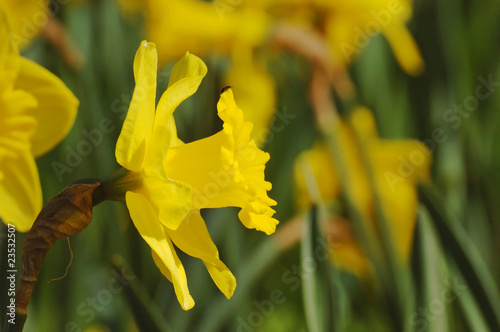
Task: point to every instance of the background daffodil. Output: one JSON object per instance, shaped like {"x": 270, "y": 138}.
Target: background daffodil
{"x": 396, "y": 166}
{"x": 166, "y": 181}
{"x": 36, "y": 112}
{"x": 26, "y": 19}
{"x": 243, "y": 32}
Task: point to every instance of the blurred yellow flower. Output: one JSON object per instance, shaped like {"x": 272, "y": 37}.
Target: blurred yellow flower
{"x": 36, "y": 112}
{"x": 26, "y": 19}
{"x": 396, "y": 166}
{"x": 169, "y": 182}
{"x": 349, "y": 26}
{"x": 178, "y": 26}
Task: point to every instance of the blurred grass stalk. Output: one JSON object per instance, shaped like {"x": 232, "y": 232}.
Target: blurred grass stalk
{"x": 395, "y": 279}
{"x": 466, "y": 257}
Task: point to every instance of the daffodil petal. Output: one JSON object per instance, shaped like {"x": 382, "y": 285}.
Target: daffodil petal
{"x": 405, "y": 49}
{"x": 193, "y": 238}
{"x": 185, "y": 79}
{"x": 256, "y": 215}
{"x": 171, "y": 199}
{"x": 146, "y": 222}
{"x": 26, "y": 19}
{"x": 57, "y": 106}
{"x": 401, "y": 213}
{"x": 198, "y": 27}
{"x": 348, "y": 255}
{"x": 319, "y": 164}
{"x": 9, "y": 53}
{"x": 138, "y": 125}
{"x": 20, "y": 191}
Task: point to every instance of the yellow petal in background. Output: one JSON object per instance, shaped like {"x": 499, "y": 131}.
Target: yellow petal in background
{"x": 395, "y": 165}
{"x": 146, "y": 222}
{"x": 20, "y": 191}
{"x": 57, "y": 106}
{"x": 138, "y": 125}
{"x": 199, "y": 27}
{"x": 405, "y": 49}
{"x": 318, "y": 162}
{"x": 193, "y": 238}
{"x": 26, "y": 18}
{"x": 9, "y": 53}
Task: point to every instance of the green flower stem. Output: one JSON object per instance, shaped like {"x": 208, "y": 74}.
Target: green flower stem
{"x": 400, "y": 276}
{"x": 368, "y": 239}
{"x": 466, "y": 256}
{"x": 329, "y": 124}
{"x": 114, "y": 186}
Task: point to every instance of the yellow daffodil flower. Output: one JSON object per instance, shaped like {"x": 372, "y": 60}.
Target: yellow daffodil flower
{"x": 26, "y": 19}
{"x": 350, "y": 25}
{"x": 178, "y": 26}
{"x": 169, "y": 182}
{"x": 36, "y": 112}
{"x": 396, "y": 166}
{"x": 232, "y": 172}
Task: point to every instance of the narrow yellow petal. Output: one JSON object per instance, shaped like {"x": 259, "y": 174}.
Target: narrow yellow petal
{"x": 400, "y": 207}
{"x": 9, "y": 53}
{"x": 185, "y": 79}
{"x": 405, "y": 48}
{"x": 146, "y": 222}
{"x": 57, "y": 106}
{"x": 193, "y": 238}
{"x": 201, "y": 27}
{"x": 26, "y": 19}
{"x": 20, "y": 191}
{"x": 138, "y": 125}
{"x": 317, "y": 162}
